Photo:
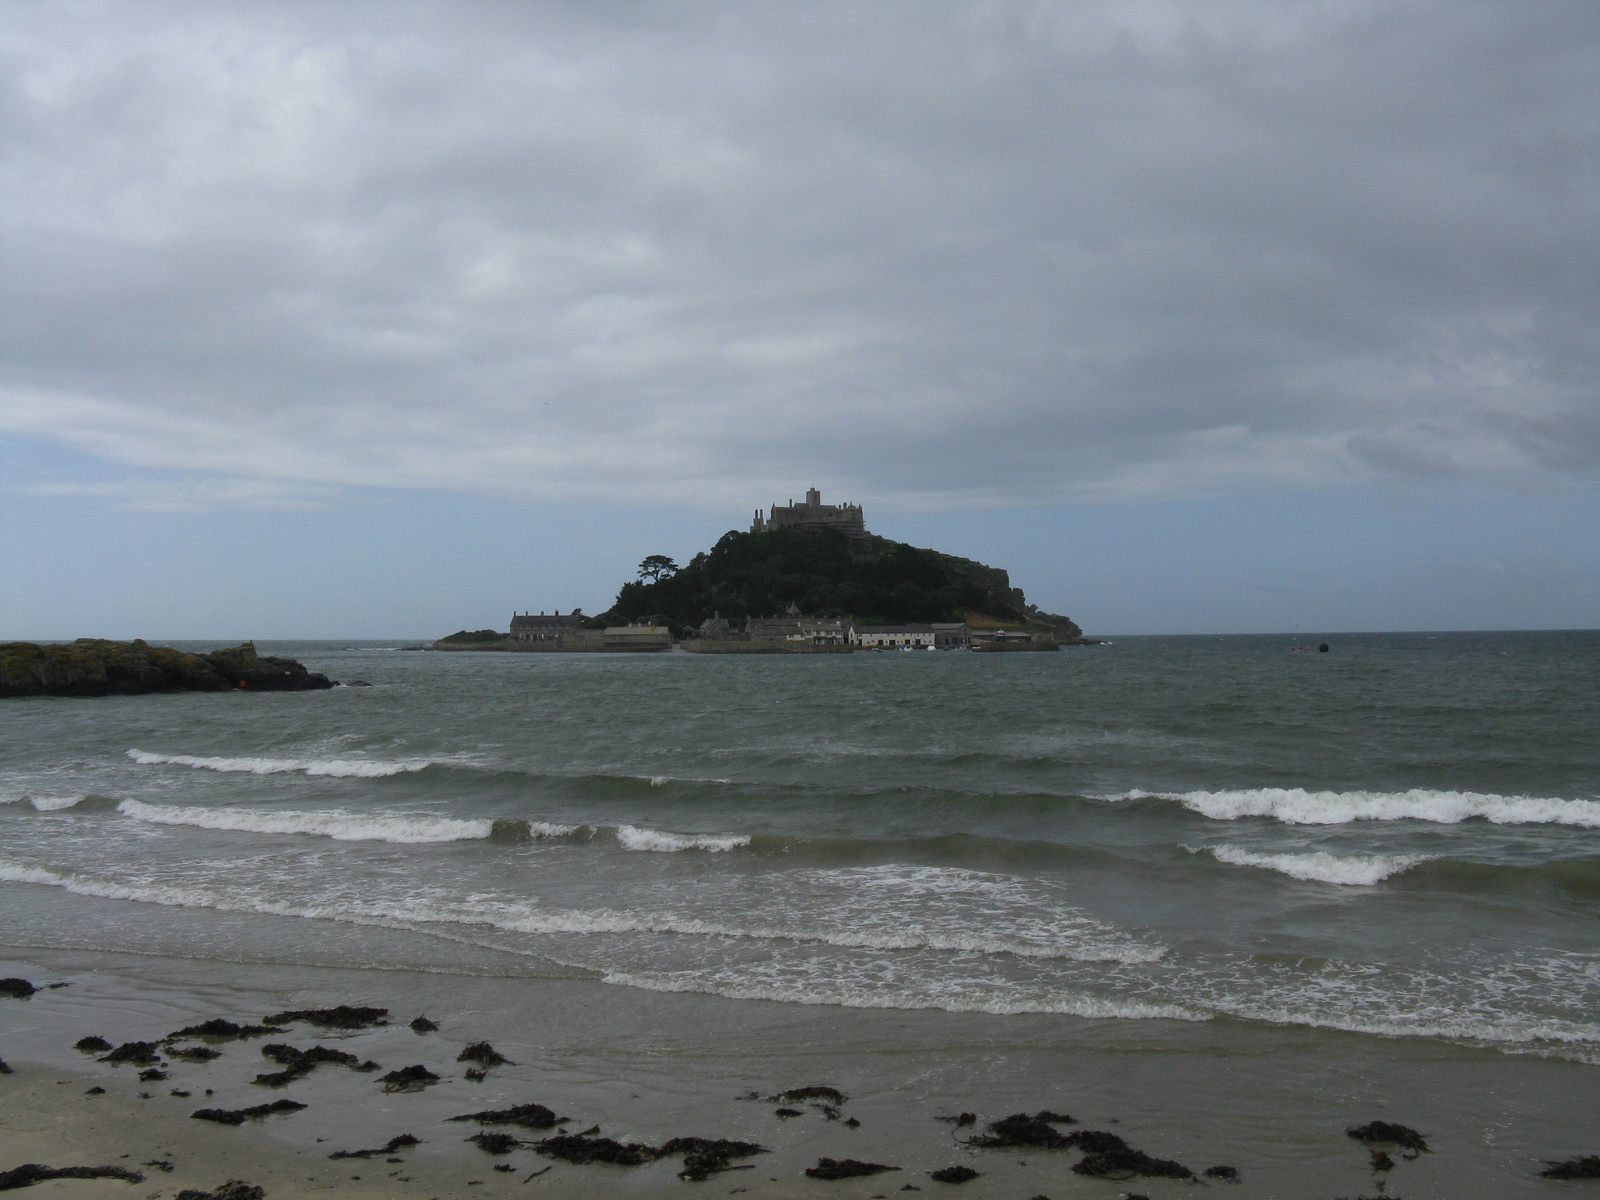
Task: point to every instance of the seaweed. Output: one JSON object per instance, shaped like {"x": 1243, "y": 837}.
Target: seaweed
{"x": 845, "y": 1168}
{"x": 580, "y": 1148}
{"x": 805, "y": 1094}
{"x": 1587, "y": 1167}
{"x": 421, "y": 1025}
{"x": 194, "y": 1054}
{"x": 484, "y": 1055}
{"x": 1094, "y": 1141}
{"x": 529, "y": 1116}
{"x": 95, "y": 1091}
{"x": 234, "y": 1189}
{"x": 1382, "y": 1133}
{"x": 221, "y": 1029}
{"x": 300, "y": 1063}
{"x": 5, "y": 1067}
{"x": 238, "y": 1116}
{"x": 1231, "y": 1174}
{"x": 92, "y": 1044}
{"x": 21, "y": 989}
{"x": 341, "y": 1016}
{"x": 495, "y": 1143}
{"x": 409, "y": 1079}
{"x": 784, "y": 1114}
{"x": 139, "y": 1053}
{"x": 29, "y": 1174}
{"x": 705, "y": 1157}
{"x": 152, "y": 1075}
{"x": 1025, "y": 1129}
{"x": 399, "y": 1142}
{"x": 1126, "y": 1163}
{"x": 960, "y": 1120}
{"x": 956, "y": 1174}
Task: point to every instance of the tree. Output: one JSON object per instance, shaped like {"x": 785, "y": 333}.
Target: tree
{"x": 657, "y": 567}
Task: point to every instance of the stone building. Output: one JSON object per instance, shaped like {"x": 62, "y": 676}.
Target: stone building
{"x": 813, "y": 514}
{"x": 542, "y": 627}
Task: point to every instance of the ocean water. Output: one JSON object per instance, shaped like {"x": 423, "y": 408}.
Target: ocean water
{"x": 1183, "y": 843}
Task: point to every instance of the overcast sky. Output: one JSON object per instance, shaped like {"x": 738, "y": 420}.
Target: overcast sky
{"x": 1120, "y": 296}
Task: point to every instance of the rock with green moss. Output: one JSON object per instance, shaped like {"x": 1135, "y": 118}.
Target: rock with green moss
{"x": 97, "y": 667}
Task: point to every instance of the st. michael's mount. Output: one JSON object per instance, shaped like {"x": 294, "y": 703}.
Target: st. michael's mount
{"x": 807, "y": 578}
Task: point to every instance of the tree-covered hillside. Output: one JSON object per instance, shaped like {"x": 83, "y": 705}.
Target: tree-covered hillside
{"x": 823, "y": 573}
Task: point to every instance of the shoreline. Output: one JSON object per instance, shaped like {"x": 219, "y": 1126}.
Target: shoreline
{"x": 648, "y": 1066}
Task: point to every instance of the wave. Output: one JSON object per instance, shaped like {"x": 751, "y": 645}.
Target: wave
{"x": 1357, "y": 870}
{"x": 630, "y": 837}
{"x": 359, "y": 768}
{"x": 1296, "y": 806}
{"x": 44, "y": 803}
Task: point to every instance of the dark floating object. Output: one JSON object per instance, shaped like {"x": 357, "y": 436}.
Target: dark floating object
{"x": 952, "y": 1174}
{"x": 505, "y": 1168}
{"x": 580, "y": 1148}
{"x": 960, "y": 1120}
{"x": 1382, "y": 1133}
{"x": 851, "y": 1123}
{"x": 152, "y": 1075}
{"x": 408, "y": 1079}
{"x": 805, "y": 1095}
{"x": 195, "y": 1054}
{"x": 341, "y": 1016}
{"x": 786, "y": 1113}
{"x": 1322, "y": 649}
{"x": 845, "y": 1168}
{"x": 484, "y": 1055}
{"x": 1025, "y": 1129}
{"x": 705, "y": 1157}
{"x": 238, "y": 1116}
{"x": 423, "y": 1025}
{"x": 529, "y": 1116}
{"x": 179, "y": 1092}
{"x": 1126, "y": 1163}
{"x": 299, "y": 1063}
{"x": 29, "y": 1174}
{"x": 95, "y": 1091}
{"x": 399, "y": 1142}
{"x": 91, "y": 1045}
{"x": 21, "y": 989}
{"x": 1228, "y": 1173}
{"x": 494, "y": 1143}
{"x": 220, "y": 1029}
{"x": 234, "y": 1189}
{"x": 139, "y": 1053}
{"x": 1587, "y": 1167}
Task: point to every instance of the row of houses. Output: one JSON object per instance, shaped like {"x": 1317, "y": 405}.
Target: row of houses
{"x": 845, "y": 631}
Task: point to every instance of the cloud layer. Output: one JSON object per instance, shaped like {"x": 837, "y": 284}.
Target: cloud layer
{"x": 966, "y": 253}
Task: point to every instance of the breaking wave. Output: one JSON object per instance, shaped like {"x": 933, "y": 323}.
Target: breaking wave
{"x": 42, "y": 803}
{"x": 1356, "y": 870}
{"x": 1296, "y": 806}
{"x": 630, "y": 837}
{"x": 341, "y": 768}
{"x": 340, "y": 826}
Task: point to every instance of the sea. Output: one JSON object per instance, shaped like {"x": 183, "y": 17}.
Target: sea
{"x": 1235, "y": 892}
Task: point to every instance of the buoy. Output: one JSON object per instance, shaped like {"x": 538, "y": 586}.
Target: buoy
{"x": 1322, "y": 649}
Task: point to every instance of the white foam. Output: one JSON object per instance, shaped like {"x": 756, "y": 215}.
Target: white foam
{"x": 340, "y": 826}
{"x": 631, "y": 837}
{"x": 1357, "y": 870}
{"x": 1296, "y": 806}
{"x": 41, "y": 803}
{"x": 360, "y": 768}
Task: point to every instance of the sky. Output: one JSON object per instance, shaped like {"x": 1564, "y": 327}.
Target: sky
{"x": 372, "y": 320}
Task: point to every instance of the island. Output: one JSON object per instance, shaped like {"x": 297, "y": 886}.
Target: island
{"x": 97, "y": 667}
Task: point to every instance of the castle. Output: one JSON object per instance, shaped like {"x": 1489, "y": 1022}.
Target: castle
{"x": 814, "y": 514}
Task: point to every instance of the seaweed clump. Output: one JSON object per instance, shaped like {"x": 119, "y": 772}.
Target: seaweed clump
{"x": 1382, "y": 1133}
{"x": 20, "y": 989}
{"x": 705, "y": 1157}
{"x": 529, "y": 1116}
{"x": 409, "y": 1079}
{"x": 484, "y": 1055}
{"x": 958, "y": 1174}
{"x": 495, "y": 1143}
{"x": 421, "y": 1025}
{"x": 400, "y": 1142}
{"x": 29, "y": 1174}
{"x": 221, "y": 1029}
{"x": 1587, "y": 1167}
{"x": 139, "y": 1053}
{"x": 238, "y": 1116}
{"x": 341, "y": 1016}
{"x": 195, "y": 1054}
{"x": 1126, "y": 1163}
{"x": 299, "y": 1063}
{"x": 234, "y": 1189}
{"x": 93, "y": 1044}
{"x": 1035, "y": 1130}
{"x": 579, "y": 1148}
{"x": 845, "y": 1168}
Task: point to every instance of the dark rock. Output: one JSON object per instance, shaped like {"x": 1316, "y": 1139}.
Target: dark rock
{"x": 1025, "y": 1129}
{"x": 96, "y": 667}
{"x": 494, "y": 1143}
{"x": 1125, "y": 1164}
{"x": 91, "y": 1045}
{"x": 400, "y": 1142}
{"x": 238, "y": 1116}
{"x": 1229, "y": 1173}
{"x": 409, "y": 1079}
{"x": 152, "y": 1075}
{"x": 1382, "y": 1133}
{"x": 705, "y": 1157}
{"x": 952, "y": 1175}
{"x": 484, "y": 1055}
{"x": 1587, "y": 1167}
{"x": 19, "y": 989}
{"x": 845, "y": 1168}
{"x": 580, "y": 1148}
{"x": 138, "y": 1053}
{"x": 234, "y": 1189}
{"x": 195, "y": 1054}
{"x": 529, "y": 1116}
{"x": 29, "y": 1174}
{"x": 342, "y": 1016}
{"x": 219, "y": 1029}
{"x": 423, "y": 1025}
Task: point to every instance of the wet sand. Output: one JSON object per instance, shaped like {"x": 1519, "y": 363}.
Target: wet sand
{"x": 1273, "y": 1103}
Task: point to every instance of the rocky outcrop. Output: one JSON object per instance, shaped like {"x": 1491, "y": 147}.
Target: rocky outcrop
{"x": 96, "y": 667}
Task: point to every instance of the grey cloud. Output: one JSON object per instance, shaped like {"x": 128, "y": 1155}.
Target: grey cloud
{"x": 992, "y": 252}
